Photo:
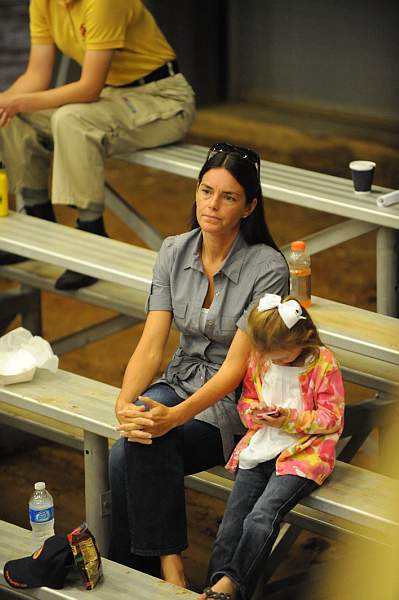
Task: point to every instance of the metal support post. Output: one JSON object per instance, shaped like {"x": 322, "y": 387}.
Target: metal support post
{"x": 388, "y": 272}
{"x": 25, "y": 301}
{"x": 96, "y": 486}
{"x": 32, "y": 314}
{"x": 334, "y": 235}
{"x": 93, "y": 333}
{"x": 132, "y": 218}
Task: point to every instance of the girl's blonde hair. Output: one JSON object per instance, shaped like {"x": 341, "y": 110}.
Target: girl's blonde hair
{"x": 268, "y": 332}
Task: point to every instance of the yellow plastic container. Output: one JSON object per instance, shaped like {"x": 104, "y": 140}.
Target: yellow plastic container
{"x": 3, "y": 193}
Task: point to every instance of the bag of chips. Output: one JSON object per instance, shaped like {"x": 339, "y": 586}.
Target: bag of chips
{"x": 86, "y": 554}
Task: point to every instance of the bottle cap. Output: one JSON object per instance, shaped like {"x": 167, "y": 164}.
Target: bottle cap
{"x": 298, "y": 245}
{"x": 40, "y": 485}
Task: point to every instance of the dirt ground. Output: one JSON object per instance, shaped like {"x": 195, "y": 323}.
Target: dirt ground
{"x": 345, "y": 273}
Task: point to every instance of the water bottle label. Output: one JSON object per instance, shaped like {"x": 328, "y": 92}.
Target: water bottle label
{"x": 41, "y": 516}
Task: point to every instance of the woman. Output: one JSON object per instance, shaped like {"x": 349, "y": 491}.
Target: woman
{"x": 205, "y": 280}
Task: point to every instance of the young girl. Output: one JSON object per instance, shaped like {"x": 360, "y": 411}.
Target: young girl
{"x": 293, "y": 406}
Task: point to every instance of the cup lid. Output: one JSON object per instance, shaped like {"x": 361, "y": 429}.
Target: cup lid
{"x": 362, "y": 165}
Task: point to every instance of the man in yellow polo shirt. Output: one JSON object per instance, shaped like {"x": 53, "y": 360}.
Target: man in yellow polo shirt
{"x": 130, "y": 95}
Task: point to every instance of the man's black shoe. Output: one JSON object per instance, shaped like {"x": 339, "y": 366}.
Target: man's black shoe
{"x": 42, "y": 211}
{"x": 71, "y": 280}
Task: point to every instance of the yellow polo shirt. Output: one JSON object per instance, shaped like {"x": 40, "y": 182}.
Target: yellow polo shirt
{"x": 124, "y": 25}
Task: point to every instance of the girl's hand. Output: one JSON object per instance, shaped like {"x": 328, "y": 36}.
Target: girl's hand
{"x": 276, "y": 418}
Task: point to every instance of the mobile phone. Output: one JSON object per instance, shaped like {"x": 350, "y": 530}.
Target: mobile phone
{"x": 269, "y": 413}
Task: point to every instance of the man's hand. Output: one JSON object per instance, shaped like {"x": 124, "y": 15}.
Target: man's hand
{"x": 7, "y": 109}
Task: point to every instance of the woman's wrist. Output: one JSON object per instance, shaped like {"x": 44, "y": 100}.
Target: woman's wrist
{"x": 178, "y": 415}
{"x": 123, "y": 401}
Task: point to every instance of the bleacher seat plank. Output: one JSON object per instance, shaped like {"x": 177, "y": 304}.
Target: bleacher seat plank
{"x": 70, "y": 248}
{"x": 119, "y": 582}
{"x": 309, "y": 189}
{"x": 371, "y": 372}
{"x": 349, "y": 494}
{"x": 72, "y": 399}
{"x": 379, "y": 498}
{"x": 357, "y": 330}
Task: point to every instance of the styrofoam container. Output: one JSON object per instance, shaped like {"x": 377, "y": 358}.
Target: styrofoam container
{"x": 18, "y": 377}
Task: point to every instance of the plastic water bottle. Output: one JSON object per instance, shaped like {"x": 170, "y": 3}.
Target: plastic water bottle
{"x": 300, "y": 273}
{"x": 3, "y": 192}
{"x": 41, "y": 515}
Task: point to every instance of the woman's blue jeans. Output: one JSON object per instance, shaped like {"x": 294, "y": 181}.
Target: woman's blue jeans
{"x": 256, "y": 506}
{"x": 147, "y": 484}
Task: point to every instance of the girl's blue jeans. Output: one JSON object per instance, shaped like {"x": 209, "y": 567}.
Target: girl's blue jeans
{"x": 147, "y": 483}
{"x": 256, "y": 506}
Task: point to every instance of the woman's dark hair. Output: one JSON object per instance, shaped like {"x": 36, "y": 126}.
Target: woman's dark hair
{"x": 254, "y": 228}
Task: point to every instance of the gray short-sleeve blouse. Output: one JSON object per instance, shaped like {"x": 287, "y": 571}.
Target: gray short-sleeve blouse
{"x": 180, "y": 285}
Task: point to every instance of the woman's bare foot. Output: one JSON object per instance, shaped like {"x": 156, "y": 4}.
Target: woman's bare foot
{"x": 224, "y": 586}
{"x": 172, "y": 569}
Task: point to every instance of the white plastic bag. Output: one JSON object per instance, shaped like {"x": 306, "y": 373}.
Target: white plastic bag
{"x": 21, "y": 354}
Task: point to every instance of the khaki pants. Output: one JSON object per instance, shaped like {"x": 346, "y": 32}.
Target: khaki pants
{"x": 81, "y": 136}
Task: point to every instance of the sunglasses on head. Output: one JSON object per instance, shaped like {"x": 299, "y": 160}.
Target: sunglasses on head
{"x": 245, "y": 153}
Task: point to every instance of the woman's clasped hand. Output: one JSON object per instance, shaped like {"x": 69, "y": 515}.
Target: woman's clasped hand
{"x": 140, "y": 423}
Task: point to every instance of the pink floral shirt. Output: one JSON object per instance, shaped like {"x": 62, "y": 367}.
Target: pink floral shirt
{"x": 321, "y": 422}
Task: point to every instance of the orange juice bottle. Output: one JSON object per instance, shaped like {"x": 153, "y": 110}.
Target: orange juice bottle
{"x": 3, "y": 192}
{"x": 300, "y": 273}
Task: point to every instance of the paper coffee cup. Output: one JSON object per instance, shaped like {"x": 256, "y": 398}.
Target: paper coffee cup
{"x": 362, "y": 175}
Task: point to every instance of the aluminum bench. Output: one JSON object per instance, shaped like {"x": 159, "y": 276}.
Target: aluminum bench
{"x": 345, "y": 329}
{"x": 355, "y": 495}
{"x": 118, "y": 581}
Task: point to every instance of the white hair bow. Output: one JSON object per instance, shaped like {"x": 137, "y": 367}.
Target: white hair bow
{"x": 290, "y": 311}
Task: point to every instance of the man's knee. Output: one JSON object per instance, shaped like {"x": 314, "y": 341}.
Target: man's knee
{"x": 69, "y": 116}
{"x": 61, "y": 116}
